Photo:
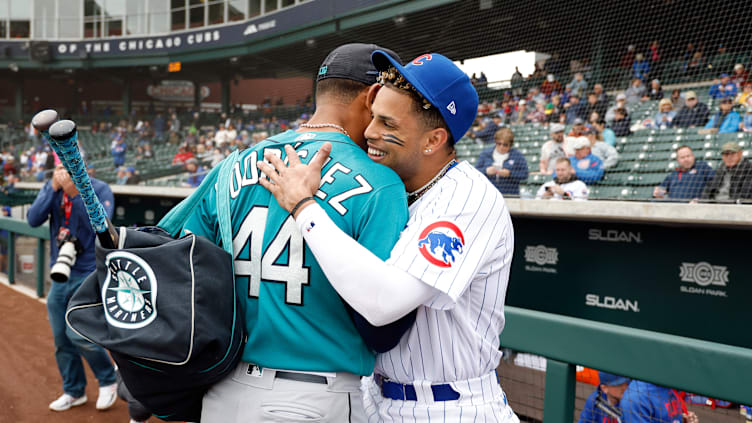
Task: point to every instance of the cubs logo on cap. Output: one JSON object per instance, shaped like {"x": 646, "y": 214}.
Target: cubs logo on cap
{"x": 441, "y": 242}
{"x": 129, "y": 292}
{"x": 440, "y": 82}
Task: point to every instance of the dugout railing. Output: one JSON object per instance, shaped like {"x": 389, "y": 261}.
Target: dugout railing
{"x": 683, "y": 355}
{"x": 18, "y": 227}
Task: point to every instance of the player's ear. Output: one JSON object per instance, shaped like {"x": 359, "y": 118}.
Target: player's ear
{"x": 371, "y": 96}
{"x": 436, "y": 140}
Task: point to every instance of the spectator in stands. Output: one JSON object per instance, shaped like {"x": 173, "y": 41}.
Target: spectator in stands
{"x": 640, "y": 68}
{"x": 196, "y": 173}
{"x": 555, "y": 108}
{"x": 693, "y": 114}
{"x": 565, "y": 185}
{"x": 695, "y": 65}
{"x": 550, "y": 85}
{"x": 656, "y": 91}
{"x": 222, "y": 137}
{"x": 184, "y": 153}
{"x": 594, "y": 105}
{"x": 600, "y": 149}
{"x": 578, "y": 85}
{"x": 740, "y": 75}
{"x": 688, "y": 180}
{"x": 655, "y": 58}
{"x": 534, "y": 96}
{"x": 677, "y": 101}
{"x": 627, "y": 60}
{"x": 519, "y": 115}
{"x": 621, "y": 123}
{"x": 160, "y": 126}
{"x": 725, "y": 121}
{"x": 119, "y": 149}
{"x": 621, "y": 103}
{"x": 745, "y": 96}
{"x": 636, "y": 92}
{"x": 723, "y": 88}
{"x": 665, "y": 116}
{"x": 232, "y": 133}
{"x": 488, "y": 127}
{"x": 602, "y": 96}
{"x": 644, "y": 402}
{"x": 733, "y": 180}
{"x": 578, "y": 128}
{"x": 575, "y": 109}
{"x": 505, "y": 166}
{"x": 602, "y": 406}
{"x": 746, "y": 124}
{"x": 516, "y": 81}
{"x": 556, "y": 147}
{"x": 539, "y": 114}
{"x": 589, "y": 167}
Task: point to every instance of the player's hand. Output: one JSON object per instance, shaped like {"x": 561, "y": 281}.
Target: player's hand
{"x": 691, "y": 417}
{"x": 296, "y": 181}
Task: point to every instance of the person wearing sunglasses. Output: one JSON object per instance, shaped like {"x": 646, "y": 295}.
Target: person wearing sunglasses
{"x": 505, "y": 166}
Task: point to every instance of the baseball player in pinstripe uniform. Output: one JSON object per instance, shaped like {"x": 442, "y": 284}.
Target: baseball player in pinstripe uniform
{"x": 306, "y": 350}
{"x": 451, "y": 261}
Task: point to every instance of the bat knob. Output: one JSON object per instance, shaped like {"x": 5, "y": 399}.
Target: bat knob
{"x": 44, "y": 119}
{"x": 62, "y": 130}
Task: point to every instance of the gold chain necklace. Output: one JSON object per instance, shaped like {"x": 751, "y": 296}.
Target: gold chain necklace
{"x": 325, "y": 125}
{"x": 415, "y": 195}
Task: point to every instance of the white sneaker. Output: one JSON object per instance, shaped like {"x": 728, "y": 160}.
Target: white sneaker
{"x": 107, "y": 396}
{"x": 67, "y": 401}
{"x": 137, "y": 421}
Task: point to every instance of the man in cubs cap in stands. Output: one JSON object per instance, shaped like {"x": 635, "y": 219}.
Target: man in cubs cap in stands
{"x": 451, "y": 261}
{"x": 603, "y": 404}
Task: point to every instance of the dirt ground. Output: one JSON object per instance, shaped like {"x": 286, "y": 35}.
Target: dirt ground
{"x": 29, "y": 379}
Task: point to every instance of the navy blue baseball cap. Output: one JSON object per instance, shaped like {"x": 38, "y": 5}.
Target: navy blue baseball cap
{"x": 352, "y": 61}
{"x": 440, "y": 82}
{"x": 609, "y": 379}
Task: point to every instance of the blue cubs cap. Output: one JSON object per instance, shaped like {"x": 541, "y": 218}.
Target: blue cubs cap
{"x": 609, "y": 379}
{"x": 440, "y": 82}
{"x": 724, "y": 75}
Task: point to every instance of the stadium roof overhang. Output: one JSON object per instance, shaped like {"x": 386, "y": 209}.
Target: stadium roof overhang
{"x": 293, "y": 42}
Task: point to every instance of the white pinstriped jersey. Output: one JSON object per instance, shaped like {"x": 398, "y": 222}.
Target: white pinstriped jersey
{"x": 458, "y": 239}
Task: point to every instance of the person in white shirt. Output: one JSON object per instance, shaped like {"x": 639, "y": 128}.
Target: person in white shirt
{"x": 565, "y": 186}
{"x": 557, "y": 146}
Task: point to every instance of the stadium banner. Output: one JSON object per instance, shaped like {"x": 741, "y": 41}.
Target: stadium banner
{"x": 312, "y": 12}
{"x": 680, "y": 279}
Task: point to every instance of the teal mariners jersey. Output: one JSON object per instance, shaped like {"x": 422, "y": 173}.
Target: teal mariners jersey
{"x": 295, "y": 320}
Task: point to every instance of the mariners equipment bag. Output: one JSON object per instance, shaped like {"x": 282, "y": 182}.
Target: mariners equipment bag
{"x": 167, "y": 311}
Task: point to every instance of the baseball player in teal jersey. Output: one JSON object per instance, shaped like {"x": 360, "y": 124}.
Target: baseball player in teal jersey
{"x": 304, "y": 355}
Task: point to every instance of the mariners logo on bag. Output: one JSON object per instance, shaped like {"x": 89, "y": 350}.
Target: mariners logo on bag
{"x": 129, "y": 293}
{"x": 440, "y": 241}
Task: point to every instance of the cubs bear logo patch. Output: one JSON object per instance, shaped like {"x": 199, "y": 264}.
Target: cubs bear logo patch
{"x": 129, "y": 292}
{"x": 440, "y": 243}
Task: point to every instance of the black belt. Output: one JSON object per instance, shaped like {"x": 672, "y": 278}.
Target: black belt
{"x": 298, "y": 377}
{"x": 406, "y": 392}
{"x": 301, "y": 377}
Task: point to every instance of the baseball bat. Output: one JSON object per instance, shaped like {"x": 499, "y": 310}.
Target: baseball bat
{"x": 63, "y": 138}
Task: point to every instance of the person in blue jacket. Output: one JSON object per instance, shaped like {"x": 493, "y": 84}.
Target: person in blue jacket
{"x": 59, "y": 201}
{"x": 726, "y": 120}
{"x": 602, "y": 406}
{"x": 119, "y": 149}
{"x": 644, "y": 402}
{"x": 688, "y": 181}
{"x": 588, "y": 166}
{"x": 505, "y": 166}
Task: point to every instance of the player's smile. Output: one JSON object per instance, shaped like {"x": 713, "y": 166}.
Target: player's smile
{"x": 375, "y": 154}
